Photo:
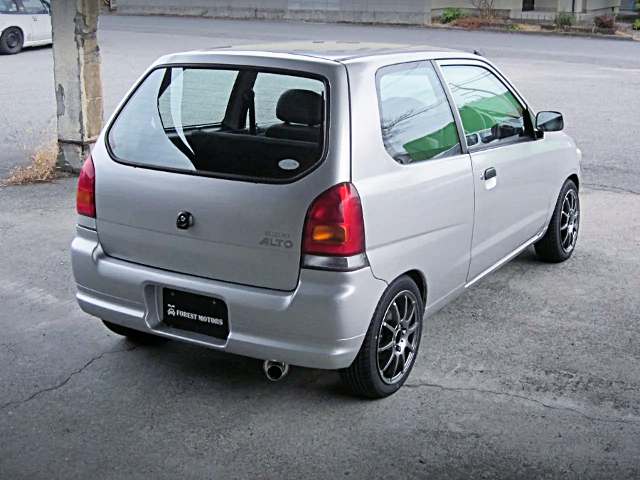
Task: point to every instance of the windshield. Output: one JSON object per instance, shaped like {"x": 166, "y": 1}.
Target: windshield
{"x": 248, "y": 124}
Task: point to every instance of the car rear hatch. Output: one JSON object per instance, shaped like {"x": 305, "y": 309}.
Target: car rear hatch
{"x": 210, "y": 172}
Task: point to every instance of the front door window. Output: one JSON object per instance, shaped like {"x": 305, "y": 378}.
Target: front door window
{"x": 35, "y": 7}
{"x": 490, "y": 113}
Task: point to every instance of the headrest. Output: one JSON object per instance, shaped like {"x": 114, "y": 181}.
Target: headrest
{"x": 300, "y": 106}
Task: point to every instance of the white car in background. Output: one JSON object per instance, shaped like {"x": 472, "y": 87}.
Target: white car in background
{"x": 24, "y": 23}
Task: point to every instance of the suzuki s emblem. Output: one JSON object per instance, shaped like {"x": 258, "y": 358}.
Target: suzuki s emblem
{"x": 184, "y": 221}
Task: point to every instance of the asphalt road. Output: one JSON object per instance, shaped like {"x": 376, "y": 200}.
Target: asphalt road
{"x": 534, "y": 373}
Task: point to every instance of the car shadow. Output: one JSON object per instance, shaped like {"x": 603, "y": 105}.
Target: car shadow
{"x": 177, "y": 363}
{"x": 528, "y": 257}
{"x": 25, "y": 51}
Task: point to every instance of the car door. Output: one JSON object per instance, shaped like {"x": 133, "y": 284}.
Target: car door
{"x": 38, "y": 14}
{"x": 16, "y": 17}
{"x": 512, "y": 193}
{"x": 414, "y": 179}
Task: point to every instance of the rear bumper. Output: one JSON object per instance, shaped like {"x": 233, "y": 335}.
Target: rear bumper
{"x": 321, "y": 324}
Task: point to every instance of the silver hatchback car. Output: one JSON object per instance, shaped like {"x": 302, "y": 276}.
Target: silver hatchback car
{"x": 311, "y": 204}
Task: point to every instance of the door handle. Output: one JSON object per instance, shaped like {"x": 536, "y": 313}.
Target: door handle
{"x": 490, "y": 173}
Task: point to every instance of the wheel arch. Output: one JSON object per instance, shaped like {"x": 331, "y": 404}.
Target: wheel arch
{"x": 17, "y": 27}
{"x": 418, "y": 277}
{"x": 574, "y": 178}
{"x": 7, "y": 27}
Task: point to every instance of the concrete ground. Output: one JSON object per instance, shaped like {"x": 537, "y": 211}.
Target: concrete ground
{"x": 534, "y": 373}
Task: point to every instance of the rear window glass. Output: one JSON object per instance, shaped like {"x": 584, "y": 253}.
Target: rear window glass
{"x": 270, "y": 86}
{"x": 244, "y": 124}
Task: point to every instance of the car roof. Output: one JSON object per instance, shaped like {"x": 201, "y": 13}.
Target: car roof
{"x": 339, "y": 51}
{"x": 330, "y": 53}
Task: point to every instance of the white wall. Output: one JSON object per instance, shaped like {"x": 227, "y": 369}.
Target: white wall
{"x": 439, "y": 5}
{"x": 359, "y": 11}
{"x": 368, "y": 11}
{"x": 605, "y": 5}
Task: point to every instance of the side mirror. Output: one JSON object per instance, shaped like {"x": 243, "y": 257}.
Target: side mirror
{"x": 549, "y": 121}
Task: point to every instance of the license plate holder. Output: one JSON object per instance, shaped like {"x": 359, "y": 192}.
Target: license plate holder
{"x": 195, "y": 313}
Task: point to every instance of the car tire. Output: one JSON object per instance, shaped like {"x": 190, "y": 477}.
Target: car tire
{"x": 135, "y": 336}
{"x": 559, "y": 242}
{"x": 393, "y": 336}
{"x": 11, "y": 41}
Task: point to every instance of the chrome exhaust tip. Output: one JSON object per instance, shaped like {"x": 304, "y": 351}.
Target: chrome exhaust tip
{"x": 275, "y": 371}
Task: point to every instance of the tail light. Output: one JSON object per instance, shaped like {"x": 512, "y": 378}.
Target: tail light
{"x": 86, "y": 195}
{"x": 334, "y": 226}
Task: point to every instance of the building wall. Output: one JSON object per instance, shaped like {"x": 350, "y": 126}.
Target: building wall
{"x": 416, "y": 12}
{"x": 548, "y": 5}
{"x": 440, "y": 5}
{"x": 608, "y": 5}
{"x": 367, "y": 11}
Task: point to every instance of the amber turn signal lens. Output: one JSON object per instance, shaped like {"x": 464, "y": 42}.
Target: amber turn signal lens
{"x": 83, "y": 197}
{"x": 329, "y": 234}
{"x": 334, "y": 225}
{"x": 86, "y": 193}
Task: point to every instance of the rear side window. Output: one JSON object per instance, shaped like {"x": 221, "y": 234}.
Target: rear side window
{"x": 242, "y": 123}
{"x": 416, "y": 119}
{"x": 489, "y": 112}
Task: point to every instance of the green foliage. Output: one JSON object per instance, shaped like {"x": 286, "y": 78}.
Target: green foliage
{"x": 564, "y": 19}
{"x": 514, "y": 27}
{"x": 451, "y": 14}
{"x": 636, "y": 24}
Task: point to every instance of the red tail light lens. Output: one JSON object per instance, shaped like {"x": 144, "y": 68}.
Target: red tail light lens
{"x": 86, "y": 195}
{"x": 334, "y": 224}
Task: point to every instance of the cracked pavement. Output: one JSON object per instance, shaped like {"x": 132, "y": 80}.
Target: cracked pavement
{"x": 529, "y": 399}
{"x": 533, "y": 373}
{"x": 64, "y": 382}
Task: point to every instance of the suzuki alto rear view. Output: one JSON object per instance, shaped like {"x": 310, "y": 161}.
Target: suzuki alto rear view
{"x": 312, "y": 205}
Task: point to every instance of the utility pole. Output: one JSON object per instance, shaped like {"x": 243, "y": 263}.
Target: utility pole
{"x": 78, "y": 79}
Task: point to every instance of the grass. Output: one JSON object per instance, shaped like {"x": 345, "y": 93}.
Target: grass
{"x": 475, "y": 23}
{"x": 564, "y": 19}
{"x": 470, "y": 23}
{"x": 38, "y": 148}
{"x": 451, "y": 14}
{"x": 42, "y": 166}
{"x": 528, "y": 27}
